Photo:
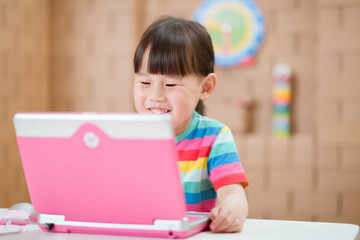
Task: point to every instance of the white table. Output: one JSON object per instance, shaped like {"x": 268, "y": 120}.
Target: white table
{"x": 254, "y": 229}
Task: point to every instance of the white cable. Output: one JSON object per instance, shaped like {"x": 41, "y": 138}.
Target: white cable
{"x": 9, "y": 228}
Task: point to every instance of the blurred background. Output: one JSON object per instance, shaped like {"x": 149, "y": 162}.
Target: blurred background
{"x": 76, "y": 55}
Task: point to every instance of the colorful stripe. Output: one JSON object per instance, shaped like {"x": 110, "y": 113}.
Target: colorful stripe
{"x": 223, "y": 170}
{"x": 223, "y": 148}
{"x": 188, "y": 166}
{"x": 194, "y": 154}
{"x": 196, "y": 175}
{"x": 222, "y": 159}
{"x": 195, "y": 187}
{"x": 204, "y": 206}
{"x": 189, "y": 144}
{"x": 195, "y": 198}
{"x": 202, "y": 132}
{"x": 230, "y": 179}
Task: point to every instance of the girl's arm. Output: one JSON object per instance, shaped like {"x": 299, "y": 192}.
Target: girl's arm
{"x": 231, "y": 209}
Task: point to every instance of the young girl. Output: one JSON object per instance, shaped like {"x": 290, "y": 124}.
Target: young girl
{"x": 174, "y": 72}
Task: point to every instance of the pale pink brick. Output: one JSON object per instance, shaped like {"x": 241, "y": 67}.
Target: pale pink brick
{"x": 291, "y": 179}
{"x": 327, "y": 65}
{"x": 352, "y": 19}
{"x": 15, "y": 18}
{"x": 107, "y": 6}
{"x": 350, "y": 158}
{"x": 339, "y": 86}
{"x": 62, "y": 25}
{"x": 7, "y": 40}
{"x": 338, "y": 133}
{"x": 225, "y": 114}
{"x": 255, "y": 152}
{"x": 182, "y": 6}
{"x": 335, "y": 3}
{"x": 70, "y": 45}
{"x": 351, "y": 65}
{"x": 89, "y": 23}
{"x": 315, "y": 204}
{"x": 329, "y": 19}
{"x": 279, "y": 43}
{"x": 328, "y": 110}
{"x": 327, "y": 157}
{"x": 112, "y": 45}
{"x": 296, "y": 21}
{"x": 350, "y": 205}
{"x": 277, "y": 5}
{"x": 307, "y": 44}
{"x": 306, "y": 4}
{"x": 338, "y": 40}
{"x": 15, "y": 105}
{"x": 8, "y": 86}
{"x": 88, "y": 67}
{"x": 241, "y": 145}
{"x": 257, "y": 178}
{"x": 339, "y": 180}
{"x": 264, "y": 204}
{"x": 112, "y": 89}
{"x": 279, "y": 157}
{"x": 70, "y": 6}
{"x": 302, "y": 152}
{"x": 73, "y": 86}
{"x": 117, "y": 26}
{"x": 350, "y": 111}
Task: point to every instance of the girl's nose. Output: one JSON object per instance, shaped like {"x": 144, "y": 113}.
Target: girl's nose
{"x": 157, "y": 95}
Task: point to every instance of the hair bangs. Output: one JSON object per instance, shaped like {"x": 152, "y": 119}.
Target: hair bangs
{"x": 169, "y": 60}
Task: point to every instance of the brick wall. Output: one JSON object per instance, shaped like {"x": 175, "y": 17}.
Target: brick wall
{"x": 92, "y": 46}
{"x": 24, "y": 69}
{"x": 337, "y": 122}
{"x": 312, "y": 175}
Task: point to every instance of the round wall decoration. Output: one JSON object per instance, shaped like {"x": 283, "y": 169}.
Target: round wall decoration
{"x": 237, "y": 29}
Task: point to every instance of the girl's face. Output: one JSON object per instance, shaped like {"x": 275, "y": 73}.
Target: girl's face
{"x": 175, "y": 95}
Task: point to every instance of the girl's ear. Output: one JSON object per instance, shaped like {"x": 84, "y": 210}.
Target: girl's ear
{"x": 208, "y": 86}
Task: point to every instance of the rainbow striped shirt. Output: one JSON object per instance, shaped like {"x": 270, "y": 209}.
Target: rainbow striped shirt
{"x": 208, "y": 160}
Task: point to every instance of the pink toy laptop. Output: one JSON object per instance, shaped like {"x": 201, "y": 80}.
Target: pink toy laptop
{"x": 105, "y": 173}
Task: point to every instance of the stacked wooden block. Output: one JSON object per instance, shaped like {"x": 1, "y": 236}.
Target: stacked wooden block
{"x": 281, "y": 101}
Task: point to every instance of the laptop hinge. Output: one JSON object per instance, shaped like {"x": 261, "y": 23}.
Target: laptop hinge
{"x": 49, "y": 220}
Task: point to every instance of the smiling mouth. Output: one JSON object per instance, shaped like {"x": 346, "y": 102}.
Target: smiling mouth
{"x": 158, "y": 111}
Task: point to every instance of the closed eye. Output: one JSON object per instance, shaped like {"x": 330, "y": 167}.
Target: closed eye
{"x": 145, "y": 83}
{"x": 170, "y": 85}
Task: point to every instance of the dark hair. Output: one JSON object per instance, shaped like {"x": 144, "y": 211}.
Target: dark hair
{"x": 177, "y": 47}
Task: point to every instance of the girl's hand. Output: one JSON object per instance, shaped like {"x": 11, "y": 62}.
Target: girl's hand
{"x": 224, "y": 221}
{"x": 230, "y": 211}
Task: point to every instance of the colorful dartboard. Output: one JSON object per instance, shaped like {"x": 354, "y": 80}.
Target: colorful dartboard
{"x": 237, "y": 29}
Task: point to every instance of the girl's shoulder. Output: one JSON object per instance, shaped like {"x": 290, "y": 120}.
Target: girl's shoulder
{"x": 205, "y": 122}
{"x": 200, "y": 127}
